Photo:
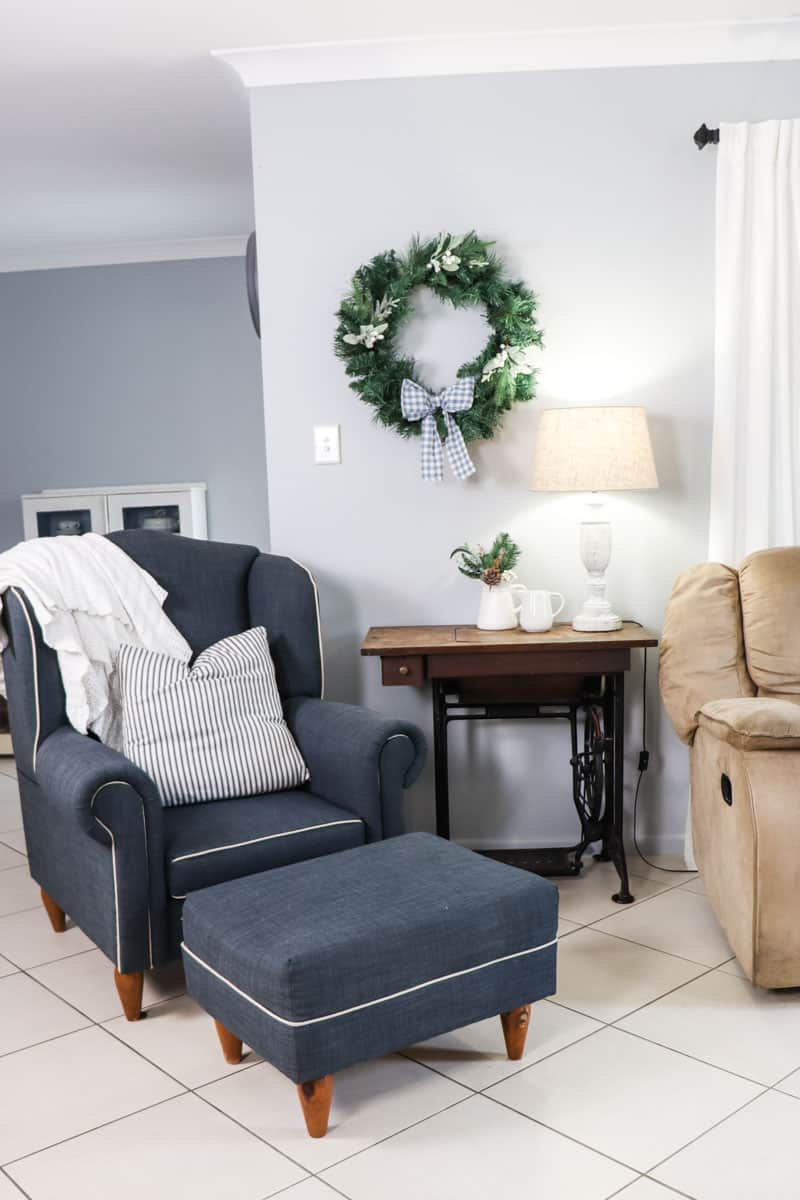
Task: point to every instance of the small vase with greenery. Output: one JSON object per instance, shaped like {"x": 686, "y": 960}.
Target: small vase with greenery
{"x": 494, "y": 568}
{"x": 490, "y": 566}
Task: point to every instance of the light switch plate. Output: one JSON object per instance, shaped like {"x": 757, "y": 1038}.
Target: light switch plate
{"x": 327, "y": 444}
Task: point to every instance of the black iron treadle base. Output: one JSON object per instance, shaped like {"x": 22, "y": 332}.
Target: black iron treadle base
{"x": 547, "y": 860}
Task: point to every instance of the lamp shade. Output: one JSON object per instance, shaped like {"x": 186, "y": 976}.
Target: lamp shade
{"x": 593, "y": 450}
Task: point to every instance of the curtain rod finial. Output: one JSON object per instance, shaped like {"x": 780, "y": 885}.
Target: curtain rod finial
{"x": 705, "y": 136}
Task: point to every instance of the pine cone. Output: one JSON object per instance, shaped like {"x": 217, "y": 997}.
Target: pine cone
{"x": 492, "y": 576}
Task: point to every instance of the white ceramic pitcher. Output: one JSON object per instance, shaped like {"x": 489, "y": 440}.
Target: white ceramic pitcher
{"x": 498, "y": 609}
{"x": 537, "y": 613}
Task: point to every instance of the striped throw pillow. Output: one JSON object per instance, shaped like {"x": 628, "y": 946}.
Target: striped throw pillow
{"x": 212, "y": 730}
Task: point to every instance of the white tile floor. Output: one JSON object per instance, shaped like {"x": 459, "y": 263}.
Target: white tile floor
{"x": 656, "y": 1071}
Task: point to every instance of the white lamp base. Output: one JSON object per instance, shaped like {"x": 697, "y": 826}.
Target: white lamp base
{"x": 596, "y": 616}
{"x": 589, "y": 623}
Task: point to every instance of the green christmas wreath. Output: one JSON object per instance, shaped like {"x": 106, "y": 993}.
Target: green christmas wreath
{"x": 464, "y": 271}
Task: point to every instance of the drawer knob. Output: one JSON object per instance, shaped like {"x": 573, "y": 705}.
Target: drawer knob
{"x": 402, "y": 670}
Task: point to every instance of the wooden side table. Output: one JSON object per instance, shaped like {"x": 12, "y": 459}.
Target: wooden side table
{"x": 560, "y": 675}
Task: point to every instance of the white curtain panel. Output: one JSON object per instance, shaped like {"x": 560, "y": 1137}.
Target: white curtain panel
{"x": 755, "y": 462}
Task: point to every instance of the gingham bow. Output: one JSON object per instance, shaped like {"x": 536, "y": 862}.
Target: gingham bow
{"x": 419, "y": 405}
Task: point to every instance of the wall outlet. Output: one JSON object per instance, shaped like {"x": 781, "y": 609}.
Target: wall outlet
{"x": 327, "y": 444}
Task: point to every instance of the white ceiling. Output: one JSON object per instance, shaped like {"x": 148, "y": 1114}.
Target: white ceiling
{"x": 118, "y": 130}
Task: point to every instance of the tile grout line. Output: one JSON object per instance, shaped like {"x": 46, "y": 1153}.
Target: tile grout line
{"x": 17, "y": 911}
{"x": 669, "y": 1187}
{"x": 666, "y": 1186}
{"x": 710, "y": 1129}
{"x": 620, "y": 909}
{"x": 12, "y": 1162}
{"x": 56, "y": 1037}
{"x": 252, "y": 1133}
{"x": 347, "y": 1157}
{"x": 311, "y": 1175}
{"x": 388, "y": 1137}
{"x": 692, "y": 1057}
{"x": 560, "y": 1133}
{"x": 4, "y": 1175}
{"x": 46, "y": 986}
{"x": 13, "y": 866}
{"x": 187, "y": 1087}
{"x": 50, "y": 961}
{"x": 680, "y": 957}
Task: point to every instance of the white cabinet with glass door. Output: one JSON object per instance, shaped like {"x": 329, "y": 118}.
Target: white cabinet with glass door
{"x": 165, "y": 508}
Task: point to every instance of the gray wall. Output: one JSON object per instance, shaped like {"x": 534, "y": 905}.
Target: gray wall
{"x": 145, "y": 373}
{"x": 590, "y": 184}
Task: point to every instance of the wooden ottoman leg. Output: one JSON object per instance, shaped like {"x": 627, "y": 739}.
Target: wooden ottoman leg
{"x": 56, "y": 914}
{"x": 231, "y": 1045}
{"x": 315, "y": 1101}
{"x": 515, "y": 1030}
{"x": 129, "y": 989}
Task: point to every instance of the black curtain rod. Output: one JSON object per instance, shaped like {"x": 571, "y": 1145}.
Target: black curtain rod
{"x": 706, "y": 137}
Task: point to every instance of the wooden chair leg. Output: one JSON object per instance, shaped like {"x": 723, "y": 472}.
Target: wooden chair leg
{"x": 515, "y": 1030}
{"x": 56, "y": 914}
{"x": 315, "y": 1101}
{"x": 231, "y": 1045}
{"x": 129, "y": 990}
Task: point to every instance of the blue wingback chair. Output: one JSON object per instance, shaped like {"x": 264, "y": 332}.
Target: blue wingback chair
{"x": 100, "y": 844}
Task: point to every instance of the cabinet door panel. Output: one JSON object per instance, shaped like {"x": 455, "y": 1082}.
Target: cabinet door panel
{"x": 166, "y": 512}
{"x": 68, "y": 515}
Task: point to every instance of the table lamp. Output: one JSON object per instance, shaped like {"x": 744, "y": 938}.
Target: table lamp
{"x": 594, "y": 450}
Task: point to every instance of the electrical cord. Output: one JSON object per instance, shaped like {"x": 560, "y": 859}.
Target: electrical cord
{"x": 644, "y": 762}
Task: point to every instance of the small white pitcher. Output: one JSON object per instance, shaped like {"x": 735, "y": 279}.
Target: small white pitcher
{"x": 497, "y": 608}
{"x": 537, "y": 614}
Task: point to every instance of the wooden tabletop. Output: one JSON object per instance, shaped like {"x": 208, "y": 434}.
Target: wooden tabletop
{"x": 389, "y": 640}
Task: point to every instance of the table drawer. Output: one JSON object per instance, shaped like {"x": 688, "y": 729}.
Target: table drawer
{"x": 464, "y": 665}
{"x": 408, "y": 670}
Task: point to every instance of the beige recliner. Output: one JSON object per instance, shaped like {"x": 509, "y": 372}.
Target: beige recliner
{"x": 729, "y": 675}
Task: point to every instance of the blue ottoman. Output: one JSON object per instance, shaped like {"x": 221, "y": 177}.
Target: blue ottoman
{"x": 343, "y": 958}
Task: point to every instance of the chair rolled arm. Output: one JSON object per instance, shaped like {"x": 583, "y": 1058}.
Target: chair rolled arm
{"x": 358, "y": 759}
{"x": 118, "y": 805}
{"x": 75, "y": 771}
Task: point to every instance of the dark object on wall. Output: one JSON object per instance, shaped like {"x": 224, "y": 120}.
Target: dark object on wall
{"x": 251, "y": 272}
{"x": 706, "y": 137}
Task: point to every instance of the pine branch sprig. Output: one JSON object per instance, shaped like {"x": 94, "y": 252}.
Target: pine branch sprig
{"x": 490, "y": 566}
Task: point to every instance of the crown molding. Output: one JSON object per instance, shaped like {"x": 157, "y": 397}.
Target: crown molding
{"x": 47, "y": 259}
{"x": 540, "y": 50}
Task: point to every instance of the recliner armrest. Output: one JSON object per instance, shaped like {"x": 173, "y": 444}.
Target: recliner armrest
{"x": 357, "y": 759}
{"x": 754, "y": 723}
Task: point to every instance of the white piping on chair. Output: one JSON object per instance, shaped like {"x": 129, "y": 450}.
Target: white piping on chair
{"x": 35, "y": 657}
{"x": 266, "y": 838}
{"x": 116, "y": 893}
{"x": 124, "y": 783}
{"x": 344, "y": 1012}
{"x": 147, "y": 858}
{"x": 389, "y": 739}
{"x": 303, "y": 567}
